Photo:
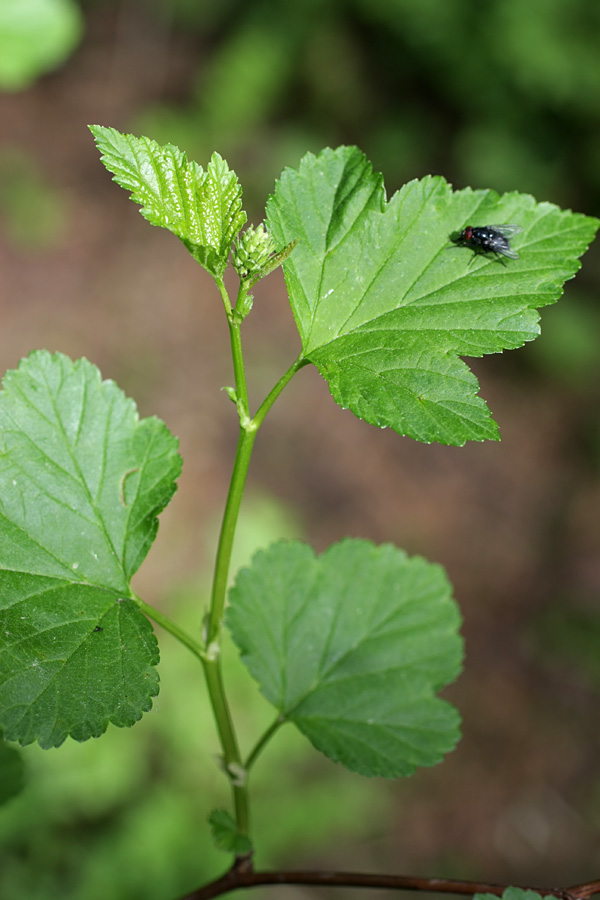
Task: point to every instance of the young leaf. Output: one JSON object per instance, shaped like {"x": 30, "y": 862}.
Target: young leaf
{"x": 225, "y": 834}
{"x": 204, "y": 209}
{"x": 352, "y": 647}
{"x": 82, "y": 481}
{"x": 386, "y": 304}
{"x": 12, "y": 771}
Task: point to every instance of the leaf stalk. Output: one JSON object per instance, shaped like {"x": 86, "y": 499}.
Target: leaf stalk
{"x": 172, "y": 627}
{"x": 263, "y": 741}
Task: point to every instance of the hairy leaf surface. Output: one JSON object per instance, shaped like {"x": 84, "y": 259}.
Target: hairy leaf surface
{"x": 385, "y": 304}
{"x": 82, "y": 481}
{"x": 203, "y": 208}
{"x": 352, "y": 646}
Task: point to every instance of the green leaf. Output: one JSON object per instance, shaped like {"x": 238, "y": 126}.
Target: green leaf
{"x": 385, "y": 304}
{"x": 203, "y": 208}
{"x": 35, "y": 37}
{"x": 225, "y": 834}
{"x": 12, "y": 772}
{"x": 82, "y": 481}
{"x": 352, "y": 646}
{"x": 514, "y": 893}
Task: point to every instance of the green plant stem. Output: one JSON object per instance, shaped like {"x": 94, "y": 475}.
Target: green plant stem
{"x": 247, "y": 436}
{"x": 212, "y": 653}
{"x": 216, "y": 691}
{"x": 224, "y": 549}
{"x": 224, "y": 295}
{"x": 235, "y": 336}
{"x": 180, "y": 633}
{"x": 212, "y": 657}
{"x": 262, "y": 742}
{"x": 274, "y": 394}
{"x": 234, "y": 768}
{"x": 212, "y": 662}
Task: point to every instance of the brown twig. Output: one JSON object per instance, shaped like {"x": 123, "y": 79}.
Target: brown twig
{"x": 242, "y": 875}
{"x": 585, "y": 890}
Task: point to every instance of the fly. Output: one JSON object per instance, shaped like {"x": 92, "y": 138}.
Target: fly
{"x": 488, "y": 239}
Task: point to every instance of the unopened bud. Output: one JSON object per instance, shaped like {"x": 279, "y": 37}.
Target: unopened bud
{"x": 252, "y": 251}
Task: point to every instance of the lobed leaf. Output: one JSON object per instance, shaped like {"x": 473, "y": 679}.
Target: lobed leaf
{"x": 82, "y": 481}
{"x": 385, "y": 304}
{"x": 352, "y": 646}
{"x": 203, "y": 208}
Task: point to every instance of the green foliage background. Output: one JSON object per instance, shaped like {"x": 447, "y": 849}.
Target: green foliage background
{"x": 502, "y": 94}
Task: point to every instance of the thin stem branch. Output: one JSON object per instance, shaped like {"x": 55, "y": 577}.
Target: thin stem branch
{"x": 585, "y": 890}
{"x": 262, "y": 742}
{"x": 224, "y": 295}
{"x": 274, "y": 394}
{"x": 241, "y": 875}
{"x": 234, "y": 321}
{"x": 180, "y": 633}
{"x": 247, "y": 436}
{"x": 241, "y": 388}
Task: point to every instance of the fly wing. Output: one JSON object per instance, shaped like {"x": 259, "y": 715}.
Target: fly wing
{"x": 508, "y": 251}
{"x": 506, "y": 230}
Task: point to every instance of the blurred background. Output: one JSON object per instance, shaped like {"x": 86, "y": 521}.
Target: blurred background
{"x": 502, "y": 94}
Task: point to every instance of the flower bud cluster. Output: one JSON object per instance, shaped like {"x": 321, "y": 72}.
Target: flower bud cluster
{"x": 252, "y": 251}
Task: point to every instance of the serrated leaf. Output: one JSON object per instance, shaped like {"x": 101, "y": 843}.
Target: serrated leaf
{"x": 225, "y": 834}
{"x": 385, "y": 304}
{"x": 12, "y": 772}
{"x": 352, "y": 646}
{"x": 82, "y": 481}
{"x": 203, "y": 208}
